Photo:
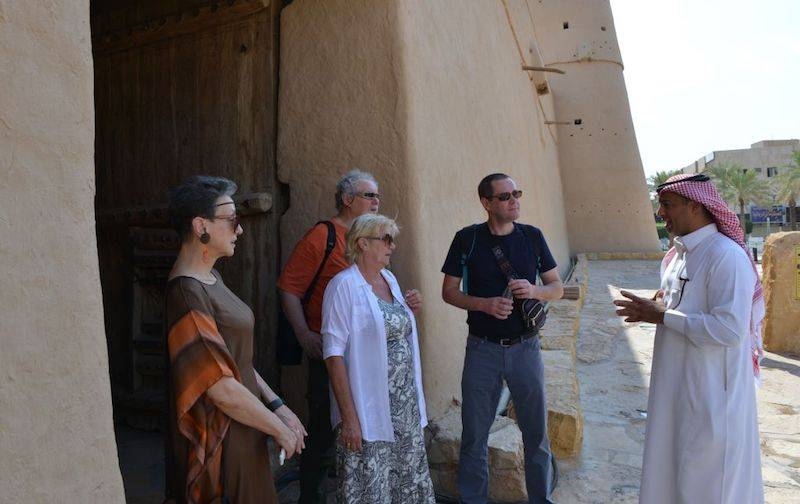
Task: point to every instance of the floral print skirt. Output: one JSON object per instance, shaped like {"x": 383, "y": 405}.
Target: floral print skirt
{"x": 390, "y": 472}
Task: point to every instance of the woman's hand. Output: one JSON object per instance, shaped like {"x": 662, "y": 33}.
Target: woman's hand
{"x": 413, "y": 300}
{"x": 287, "y": 440}
{"x": 351, "y": 435}
{"x": 291, "y": 421}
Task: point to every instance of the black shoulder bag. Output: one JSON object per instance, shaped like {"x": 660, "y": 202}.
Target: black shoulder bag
{"x": 289, "y": 351}
{"x": 534, "y": 312}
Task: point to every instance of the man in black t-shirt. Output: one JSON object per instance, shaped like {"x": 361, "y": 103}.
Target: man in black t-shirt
{"x": 499, "y": 346}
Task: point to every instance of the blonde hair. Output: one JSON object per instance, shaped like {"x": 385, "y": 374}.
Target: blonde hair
{"x": 367, "y": 226}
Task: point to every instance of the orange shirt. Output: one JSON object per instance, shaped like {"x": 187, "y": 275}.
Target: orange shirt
{"x": 303, "y": 264}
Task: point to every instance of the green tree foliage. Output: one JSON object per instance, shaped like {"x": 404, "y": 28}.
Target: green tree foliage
{"x": 741, "y": 187}
{"x": 659, "y": 178}
{"x": 787, "y": 184}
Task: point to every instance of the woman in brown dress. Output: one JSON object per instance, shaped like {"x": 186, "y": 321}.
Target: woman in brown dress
{"x": 220, "y": 409}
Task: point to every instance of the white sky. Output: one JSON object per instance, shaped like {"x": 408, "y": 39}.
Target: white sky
{"x": 705, "y": 75}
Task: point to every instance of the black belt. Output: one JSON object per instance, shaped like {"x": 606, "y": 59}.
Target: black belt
{"x": 507, "y": 342}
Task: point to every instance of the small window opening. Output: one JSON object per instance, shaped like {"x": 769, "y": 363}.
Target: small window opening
{"x": 566, "y": 25}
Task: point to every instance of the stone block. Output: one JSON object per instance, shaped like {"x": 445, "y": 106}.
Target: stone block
{"x": 560, "y": 331}
{"x": 444, "y": 438}
{"x": 559, "y": 337}
{"x": 563, "y": 308}
{"x": 443, "y": 441}
{"x": 506, "y": 462}
{"x": 564, "y": 414}
{"x": 506, "y": 457}
{"x": 781, "y": 281}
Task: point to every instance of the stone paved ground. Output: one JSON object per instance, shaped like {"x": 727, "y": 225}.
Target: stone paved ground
{"x": 614, "y": 370}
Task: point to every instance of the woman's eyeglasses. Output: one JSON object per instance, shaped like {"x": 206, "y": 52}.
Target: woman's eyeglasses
{"x": 387, "y": 239}
{"x": 233, "y": 219}
{"x": 505, "y": 196}
{"x": 369, "y": 195}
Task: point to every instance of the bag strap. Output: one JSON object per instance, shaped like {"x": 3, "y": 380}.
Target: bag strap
{"x": 505, "y": 266}
{"x": 465, "y": 255}
{"x": 329, "y": 244}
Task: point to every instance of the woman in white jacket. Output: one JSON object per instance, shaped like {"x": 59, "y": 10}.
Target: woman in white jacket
{"x": 371, "y": 350}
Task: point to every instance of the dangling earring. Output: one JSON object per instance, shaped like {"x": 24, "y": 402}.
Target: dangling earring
{"x": 204, "y": 239}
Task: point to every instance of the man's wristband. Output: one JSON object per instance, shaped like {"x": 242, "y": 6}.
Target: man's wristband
{"x": 275, "y": 404}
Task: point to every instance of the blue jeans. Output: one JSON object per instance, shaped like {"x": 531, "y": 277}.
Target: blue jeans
{"x": 486, "y": 365}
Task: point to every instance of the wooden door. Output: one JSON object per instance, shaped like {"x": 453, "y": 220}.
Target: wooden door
{"x": 182, "y": 87}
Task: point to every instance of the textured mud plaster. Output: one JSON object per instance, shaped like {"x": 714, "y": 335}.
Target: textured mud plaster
{"x": 56, "y": 429}
{"x": 471, "y": 112}
{"x": 339, "y": 107}
{"x": 781, "y": 281}
{"x": 430, "y": 97}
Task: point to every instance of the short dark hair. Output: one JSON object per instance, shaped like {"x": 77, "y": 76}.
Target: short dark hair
{"x": 485, "y": 187}
{"x": 195, "y": 197}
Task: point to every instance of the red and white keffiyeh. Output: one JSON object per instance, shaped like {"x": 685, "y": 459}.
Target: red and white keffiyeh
{"x": 705, "y": 193}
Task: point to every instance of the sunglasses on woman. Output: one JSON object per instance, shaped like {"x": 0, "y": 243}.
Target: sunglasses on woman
{"x": 387, "y": 239}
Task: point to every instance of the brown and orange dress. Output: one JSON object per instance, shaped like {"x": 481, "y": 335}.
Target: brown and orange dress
{"x": 211, "y": 458}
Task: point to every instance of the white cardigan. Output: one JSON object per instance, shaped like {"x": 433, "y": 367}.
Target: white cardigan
{"x": 353, "y": 327}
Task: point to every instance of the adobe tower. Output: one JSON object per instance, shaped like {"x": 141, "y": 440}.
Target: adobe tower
{"x": 605, "y": 192}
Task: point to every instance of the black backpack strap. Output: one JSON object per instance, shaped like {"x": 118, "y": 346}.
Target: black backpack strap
{"x": 329, "y": 244}
{"x": 467, "y": 246}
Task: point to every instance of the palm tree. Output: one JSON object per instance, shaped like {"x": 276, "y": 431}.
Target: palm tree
{"x": 741, "y": 186}
{"x": 788, "y": 185}
{"x": 660, "y": 177}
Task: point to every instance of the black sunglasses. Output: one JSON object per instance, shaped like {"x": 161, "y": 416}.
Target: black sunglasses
{"x": 387, "y": 239}
{"x": 700, "y": 177}
{"x": 506, "y": 195}
{"x": 369, "y": 195}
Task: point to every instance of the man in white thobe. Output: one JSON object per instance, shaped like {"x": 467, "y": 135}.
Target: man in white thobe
{"x": 701, "y": 441}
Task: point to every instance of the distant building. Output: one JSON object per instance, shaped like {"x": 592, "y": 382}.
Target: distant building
{"x": 767, "y": 158}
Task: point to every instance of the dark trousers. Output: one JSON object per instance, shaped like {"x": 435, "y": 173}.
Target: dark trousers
{"x": 486, "y": 365}
{"x": 318, "y": 457}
